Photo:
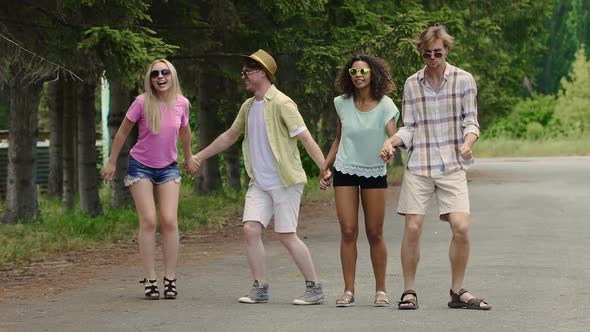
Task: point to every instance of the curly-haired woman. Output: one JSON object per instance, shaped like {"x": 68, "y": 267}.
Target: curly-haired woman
{"x": 366, "y": 116}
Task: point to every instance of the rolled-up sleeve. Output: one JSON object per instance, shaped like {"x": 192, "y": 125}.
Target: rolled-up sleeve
{"x": 406, "y": 133}
{"x": 239, "y": 124}
{"x": 470, "y": 123}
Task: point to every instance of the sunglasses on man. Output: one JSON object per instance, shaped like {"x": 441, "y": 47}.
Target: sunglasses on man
{"x": 428, "y": 55}
{"x": 249, "y": 72}
{"x": 362, "y": 71}
{"x": 155, "y": 73}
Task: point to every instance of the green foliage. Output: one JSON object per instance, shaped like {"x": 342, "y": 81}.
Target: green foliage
{"x": 125, "y": 52}
{"x": 574, "y": 99}
{"x": 525, "y": 119}
{"x": 568, "y": 28}
{"x": 534, "y": 131}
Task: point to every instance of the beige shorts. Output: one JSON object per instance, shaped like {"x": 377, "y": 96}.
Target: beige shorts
{"x": 283, "y": 203}
{"x": 450, "y": 191}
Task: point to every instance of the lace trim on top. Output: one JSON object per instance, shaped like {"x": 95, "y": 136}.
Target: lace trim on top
{"x": 359, "y": 170}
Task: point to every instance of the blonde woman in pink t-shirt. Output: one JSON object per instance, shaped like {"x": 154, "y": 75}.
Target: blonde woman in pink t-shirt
{"x": 161, "y": 113}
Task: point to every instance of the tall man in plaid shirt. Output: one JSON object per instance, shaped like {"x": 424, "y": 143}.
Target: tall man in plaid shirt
{"x": 440, "y": 127}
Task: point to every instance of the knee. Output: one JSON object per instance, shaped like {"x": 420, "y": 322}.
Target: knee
{"x": 288, "y": 239}
{"x": 251, "y": 230}
{"x": 147, "y": 223}
{"x": 349, "y": 234}
{"x": 461, "y": 232}
{"x": 168, "y": 223}
{"x": 412, "y": 233}
{"x": 375, "y": 237}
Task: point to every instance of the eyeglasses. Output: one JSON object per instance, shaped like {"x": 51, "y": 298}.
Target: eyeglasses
{"x": 362, "y": 71}
{"x": 155, "y": 73}
{"x": 428, "y": 55}
{"x": 247, "y": 73}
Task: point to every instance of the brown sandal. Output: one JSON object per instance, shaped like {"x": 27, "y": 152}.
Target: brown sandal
{"x": 473, "y": 304}
{"x": 413, "y": 302}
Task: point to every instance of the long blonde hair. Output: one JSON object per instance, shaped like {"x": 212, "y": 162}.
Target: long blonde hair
{"x": 152, "y": 101}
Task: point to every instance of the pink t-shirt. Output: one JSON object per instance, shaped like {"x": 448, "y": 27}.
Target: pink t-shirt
{"x": 158, "y": 151}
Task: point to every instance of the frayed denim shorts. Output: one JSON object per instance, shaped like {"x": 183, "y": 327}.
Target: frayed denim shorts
{"x": 137, "y": 171}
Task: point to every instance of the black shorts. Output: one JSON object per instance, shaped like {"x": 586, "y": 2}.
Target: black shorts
{"x": 347, "y": 180}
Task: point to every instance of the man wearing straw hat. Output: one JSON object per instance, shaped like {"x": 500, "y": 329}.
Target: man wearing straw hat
{"x": 271, "y": 124}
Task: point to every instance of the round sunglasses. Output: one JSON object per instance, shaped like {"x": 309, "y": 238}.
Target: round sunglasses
{"x": 362, "y": 71}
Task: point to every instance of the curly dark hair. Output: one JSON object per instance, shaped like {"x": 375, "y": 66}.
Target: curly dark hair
{"x": 381, "y": 80}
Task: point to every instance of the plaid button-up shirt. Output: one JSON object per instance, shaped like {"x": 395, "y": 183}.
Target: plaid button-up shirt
{"x": 436, "y": 122}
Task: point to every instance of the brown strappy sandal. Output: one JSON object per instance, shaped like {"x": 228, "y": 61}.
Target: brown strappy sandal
{"x": 413, "y": 302}
{"x": 473, "y": 304}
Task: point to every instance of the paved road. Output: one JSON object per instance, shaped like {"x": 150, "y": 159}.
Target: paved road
{"x": 530, "y": 259}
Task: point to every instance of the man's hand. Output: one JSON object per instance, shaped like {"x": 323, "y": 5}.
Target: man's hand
{"x": 466, "y": 151}
{"x": 387, "y": 151}
{"x": 191, "y": 165}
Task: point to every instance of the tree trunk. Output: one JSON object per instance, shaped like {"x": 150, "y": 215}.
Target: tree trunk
{"x": 69, "y": 146}
{"x": 56, "y": 104}
{"x": 21, "y": 190}
{"x": 232, "y": 155}
{"x": 87, "y": 172}
{"x": 120, "y": 100}
{"x": 209, "y": 178}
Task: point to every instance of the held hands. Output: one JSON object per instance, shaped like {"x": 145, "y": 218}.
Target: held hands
{"x": 325, "y": 178}
{"x": 387, "y": 151}
{"x": 192, "y": 165}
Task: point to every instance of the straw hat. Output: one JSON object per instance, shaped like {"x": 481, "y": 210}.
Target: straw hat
{"x": 266, "y": 61}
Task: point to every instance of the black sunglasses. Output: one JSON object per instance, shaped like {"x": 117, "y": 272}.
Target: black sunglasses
{"x": 155, "y": 73}
{"x": 428, "y": 55}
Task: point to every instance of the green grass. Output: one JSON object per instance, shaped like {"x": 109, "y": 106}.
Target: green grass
{"x": 59, "y": 231}
{"x": 502, "y": 147}
{"x": 25, "y": 243}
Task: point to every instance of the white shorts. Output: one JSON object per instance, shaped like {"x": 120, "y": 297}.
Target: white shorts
{"x": 450, "y": 191}
{"x": 283, "y": 203}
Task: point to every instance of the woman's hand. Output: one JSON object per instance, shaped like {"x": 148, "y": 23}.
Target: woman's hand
{"x": 325, "y": 178}
{"x": 387, "y": 151}
{"x": 108, "y": 172}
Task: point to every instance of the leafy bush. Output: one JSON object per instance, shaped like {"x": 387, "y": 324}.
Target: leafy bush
{"x": 534, "y": 131}
{"x": 537, "y": 110}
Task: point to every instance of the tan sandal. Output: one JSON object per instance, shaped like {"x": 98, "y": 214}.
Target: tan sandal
{"x": 345, "y": 300}
{"x": 381, "y": 299}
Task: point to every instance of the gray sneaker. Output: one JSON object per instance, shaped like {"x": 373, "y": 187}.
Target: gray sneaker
{"x": 313, "y": 294}
{"x": 258, "y": 294}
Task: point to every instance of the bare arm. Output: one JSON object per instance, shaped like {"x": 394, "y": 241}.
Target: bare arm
{"x": 220, "y": 144}
{"x": 185, "y": 137}
{"x": 331, "y": 157}
{"x": 109, "y": 170}
{"x": 312, "y": 148}
{"x": 388, "y": 149}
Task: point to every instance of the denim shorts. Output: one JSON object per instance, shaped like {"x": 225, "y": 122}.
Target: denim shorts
{"x": 137, "y": 171}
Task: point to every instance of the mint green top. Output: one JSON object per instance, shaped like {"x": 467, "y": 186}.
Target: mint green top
{"x": 362, "y": 137}
{"x": 281, "y": 117}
